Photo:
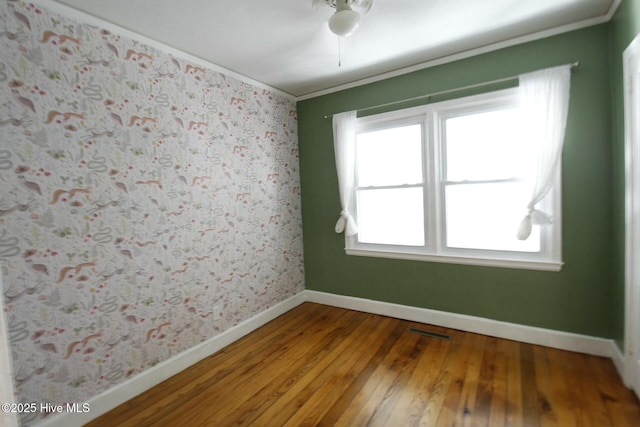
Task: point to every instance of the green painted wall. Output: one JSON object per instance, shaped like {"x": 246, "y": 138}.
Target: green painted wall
{"x": 625, "y": 25}
{"x": 577, "y": 299}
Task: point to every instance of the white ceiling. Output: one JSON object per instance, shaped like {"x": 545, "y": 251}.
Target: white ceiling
{"x": 286, "y": 44}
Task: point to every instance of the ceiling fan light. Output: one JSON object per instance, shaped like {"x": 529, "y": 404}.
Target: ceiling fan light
{"x": 344, "y": 22}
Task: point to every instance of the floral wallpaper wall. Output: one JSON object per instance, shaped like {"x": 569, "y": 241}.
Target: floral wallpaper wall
{"x": 137, "y": 191}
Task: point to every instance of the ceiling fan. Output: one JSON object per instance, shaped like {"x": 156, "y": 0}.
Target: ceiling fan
{"x": 345, "y": 20}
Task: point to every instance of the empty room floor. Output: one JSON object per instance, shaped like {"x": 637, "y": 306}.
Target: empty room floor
{"x": 324, "y": 366}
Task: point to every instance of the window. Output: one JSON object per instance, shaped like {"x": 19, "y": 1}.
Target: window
{"x": 445, "y": 182}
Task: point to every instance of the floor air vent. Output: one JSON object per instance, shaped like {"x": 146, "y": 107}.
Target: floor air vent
{"x": 431, "y": 334}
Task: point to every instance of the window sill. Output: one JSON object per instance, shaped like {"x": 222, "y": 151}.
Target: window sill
{"x": 465, "y": 260}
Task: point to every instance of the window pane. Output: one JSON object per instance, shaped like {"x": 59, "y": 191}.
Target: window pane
{"x": 390, "y": 156}
{"x": 487, "y": 216}
{"x": 484, "y": 146}
{"x": 391, "y": 216}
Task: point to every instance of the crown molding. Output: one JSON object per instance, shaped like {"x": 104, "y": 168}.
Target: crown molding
{"x": 469, "y": 53}
{"x": 83, "y": 17}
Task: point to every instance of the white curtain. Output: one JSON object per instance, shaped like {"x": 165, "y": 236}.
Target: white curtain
{"x": 544, "y": 100}
{"x": 344, "y": 145}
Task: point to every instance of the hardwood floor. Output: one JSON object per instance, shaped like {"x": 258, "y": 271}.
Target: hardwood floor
{"x": 324, "y": 366}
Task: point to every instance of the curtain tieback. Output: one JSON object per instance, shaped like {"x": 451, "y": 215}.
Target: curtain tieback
{"x": 534, "y": 216}
{"x": 346, "y": 222}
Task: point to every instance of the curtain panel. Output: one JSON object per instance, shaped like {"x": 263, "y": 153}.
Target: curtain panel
{"x": 544, "y": 101}
{"x": 344, "y": 145}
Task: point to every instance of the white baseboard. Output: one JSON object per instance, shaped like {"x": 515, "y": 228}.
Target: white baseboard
{"x": 618, "y": 359}
{"x": 111, "y": 398}
{"x": 495, "y": 328}
{"x": 119, "y": 394}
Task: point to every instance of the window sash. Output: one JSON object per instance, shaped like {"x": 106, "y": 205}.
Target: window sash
{"x": 401, "y": 208}
{"x": 482, "y": 226}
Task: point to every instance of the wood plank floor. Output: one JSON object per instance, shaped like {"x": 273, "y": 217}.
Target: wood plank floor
{"x": 324, "y": 366}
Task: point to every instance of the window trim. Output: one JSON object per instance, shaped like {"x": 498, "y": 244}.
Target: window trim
{"x": 431, "y": 117}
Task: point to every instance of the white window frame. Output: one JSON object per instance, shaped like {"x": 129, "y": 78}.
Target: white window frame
{"x": 432, "y": 118}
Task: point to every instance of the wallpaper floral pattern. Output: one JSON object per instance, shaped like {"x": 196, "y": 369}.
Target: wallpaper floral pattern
{"x": 137, "y": 191}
